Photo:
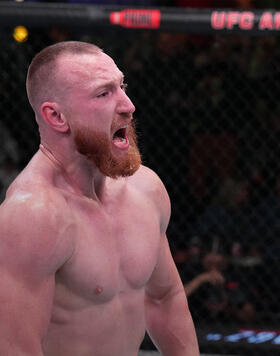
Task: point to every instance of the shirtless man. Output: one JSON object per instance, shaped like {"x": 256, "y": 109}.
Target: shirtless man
{"x": 85, "y": 263}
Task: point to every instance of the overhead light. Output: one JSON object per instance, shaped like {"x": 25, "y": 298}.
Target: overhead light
{"x": 20, "y": 33}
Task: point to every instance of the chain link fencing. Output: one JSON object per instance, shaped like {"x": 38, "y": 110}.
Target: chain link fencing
{"x": 208, "y": 121}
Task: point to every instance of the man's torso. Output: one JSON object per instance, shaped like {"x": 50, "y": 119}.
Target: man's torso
{"x": 98, "y": 307}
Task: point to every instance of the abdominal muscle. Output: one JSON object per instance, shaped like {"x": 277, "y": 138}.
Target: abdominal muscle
{"x": 115, "y": 328}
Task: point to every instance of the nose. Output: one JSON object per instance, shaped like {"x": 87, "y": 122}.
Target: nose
{"x": 125, "y": 105}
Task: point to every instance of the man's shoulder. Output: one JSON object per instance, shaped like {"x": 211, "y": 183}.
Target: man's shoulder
{"x": 146, "y": 179}
{"x": 34, "y": 195}
{"x": 147, "y": 182}
{"x": 27, "y": 209}
{"x": 34, "y": 222}
{"x": 32, "y": 206}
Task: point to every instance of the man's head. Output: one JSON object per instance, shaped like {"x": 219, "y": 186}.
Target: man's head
{"x": 77, "y": 90}
{"x": 43, "y": 80}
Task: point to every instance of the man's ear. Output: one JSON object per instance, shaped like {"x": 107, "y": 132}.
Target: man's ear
{"x": 54, "y": 117}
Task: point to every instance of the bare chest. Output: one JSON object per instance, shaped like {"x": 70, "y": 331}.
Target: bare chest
{"x": 115, "y": 251}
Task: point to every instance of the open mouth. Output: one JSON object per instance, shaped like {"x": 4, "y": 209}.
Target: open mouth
{"x": 120, "y": 139}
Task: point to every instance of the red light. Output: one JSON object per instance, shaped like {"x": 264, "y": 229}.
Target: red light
{"x": 134, "y": 18}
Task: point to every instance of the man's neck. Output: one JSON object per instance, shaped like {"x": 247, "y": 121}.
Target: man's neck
{"x": 78, "y": 172}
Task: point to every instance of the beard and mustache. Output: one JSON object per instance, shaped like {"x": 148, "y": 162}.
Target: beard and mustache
{"x": 97, "y": 148}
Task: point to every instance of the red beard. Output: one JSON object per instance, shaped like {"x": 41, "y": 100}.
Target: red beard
{"x": 97, "y": 147}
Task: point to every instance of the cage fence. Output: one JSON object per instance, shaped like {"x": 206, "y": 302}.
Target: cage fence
{"x": 208, "y": 122}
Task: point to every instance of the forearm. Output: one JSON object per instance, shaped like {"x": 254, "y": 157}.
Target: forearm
{"x": 192, "y": 286}
{"x": 170, "y": 325}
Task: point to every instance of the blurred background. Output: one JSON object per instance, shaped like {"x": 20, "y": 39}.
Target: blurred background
{"x": 208, "y": 120}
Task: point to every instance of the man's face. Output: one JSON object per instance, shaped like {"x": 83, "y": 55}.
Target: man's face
{"x": 100, "y": 114}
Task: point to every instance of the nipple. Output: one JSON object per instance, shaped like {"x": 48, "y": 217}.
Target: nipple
{"x": 98, "y": 290}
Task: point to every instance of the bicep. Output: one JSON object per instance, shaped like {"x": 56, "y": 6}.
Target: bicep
{"x": 25, "y": 310}
{"x": 165, "y": 278}
{"x": 28, "y": 262}
{"x": 24, "y": 301}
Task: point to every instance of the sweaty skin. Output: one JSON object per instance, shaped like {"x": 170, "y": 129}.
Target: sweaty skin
{"x": 84, "y": 260}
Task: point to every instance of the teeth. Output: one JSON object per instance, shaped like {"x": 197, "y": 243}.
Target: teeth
{"x": 124, "y": 126}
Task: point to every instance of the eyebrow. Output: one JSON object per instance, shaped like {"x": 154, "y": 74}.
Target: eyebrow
{"x": 109, "y": 83}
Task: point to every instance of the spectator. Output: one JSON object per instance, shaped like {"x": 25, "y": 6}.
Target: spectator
{"x": 214, "y": 291}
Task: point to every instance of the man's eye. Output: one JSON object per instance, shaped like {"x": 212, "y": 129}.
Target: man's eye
{"x": 124, "y": 87}
{"x": 102, "y": 95}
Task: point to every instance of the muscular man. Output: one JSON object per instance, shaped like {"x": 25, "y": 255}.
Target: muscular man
{"x": 84, "y": 260}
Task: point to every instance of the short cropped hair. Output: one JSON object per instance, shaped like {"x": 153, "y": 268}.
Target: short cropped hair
{"x": 42, "y": 70}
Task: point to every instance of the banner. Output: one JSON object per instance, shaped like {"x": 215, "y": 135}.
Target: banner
{"x": 165, "y": 19}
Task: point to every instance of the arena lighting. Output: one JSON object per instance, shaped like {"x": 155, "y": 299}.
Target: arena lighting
{"x": 20, "y": 33}
{"x": 245, "y": 336}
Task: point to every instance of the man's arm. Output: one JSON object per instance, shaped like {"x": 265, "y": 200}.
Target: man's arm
{"x": 30, "y": 254}
{"x": 169, "y": 321}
